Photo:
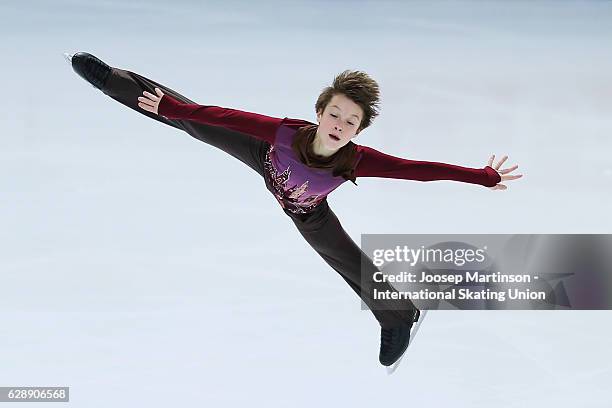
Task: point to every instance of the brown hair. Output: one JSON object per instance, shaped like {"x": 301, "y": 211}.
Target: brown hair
{"x": 361, "y": 89}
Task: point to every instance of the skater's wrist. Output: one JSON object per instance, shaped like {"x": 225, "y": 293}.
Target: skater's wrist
{"x": 167, "y": 106}
{"x": 493, "y": 176}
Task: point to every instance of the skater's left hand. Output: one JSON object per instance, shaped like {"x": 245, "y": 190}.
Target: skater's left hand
{"x": 150, "y": 102}
{"x": 503, "y": 173}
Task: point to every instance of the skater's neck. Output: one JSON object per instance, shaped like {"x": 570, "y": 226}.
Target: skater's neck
{"x": 320, "y": 149}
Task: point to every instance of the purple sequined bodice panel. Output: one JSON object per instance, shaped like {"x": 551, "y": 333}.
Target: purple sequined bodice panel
{"x": 297, "y": 187}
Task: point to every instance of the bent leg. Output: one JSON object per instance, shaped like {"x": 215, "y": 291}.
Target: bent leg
{"x": 323, "y": 231}
{"x": 125, "y": 87}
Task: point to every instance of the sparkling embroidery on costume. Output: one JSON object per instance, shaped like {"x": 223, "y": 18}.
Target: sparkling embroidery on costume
{"x": 289, "y": 197}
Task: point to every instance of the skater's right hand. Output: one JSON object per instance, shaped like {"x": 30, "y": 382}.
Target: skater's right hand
{"x": 150, "y": 102}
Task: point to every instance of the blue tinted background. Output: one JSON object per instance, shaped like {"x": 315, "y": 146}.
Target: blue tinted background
{"x": 142, "y": 267}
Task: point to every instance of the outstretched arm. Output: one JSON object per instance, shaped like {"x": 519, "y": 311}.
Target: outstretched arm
{"x": 377, "y": 164}
{"x": 259, "y": 126}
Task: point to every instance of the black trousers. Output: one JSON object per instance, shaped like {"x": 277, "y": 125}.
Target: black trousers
{"x": 320, "y": 228}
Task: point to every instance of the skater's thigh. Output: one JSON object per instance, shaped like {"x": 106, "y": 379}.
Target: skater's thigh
{"x": 331, "y": 241}
{"x": 125, "y": 87}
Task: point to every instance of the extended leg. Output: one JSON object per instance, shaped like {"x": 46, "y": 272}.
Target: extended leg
{"x": 125, "y": 87}
{"x": 323, "y": 231}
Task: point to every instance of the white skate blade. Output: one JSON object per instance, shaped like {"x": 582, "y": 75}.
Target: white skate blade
{"x": 415, "y": 329}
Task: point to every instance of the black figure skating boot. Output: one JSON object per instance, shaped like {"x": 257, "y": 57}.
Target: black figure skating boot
{"x": 90, "y": 68}
{"x": 394, "y": 341}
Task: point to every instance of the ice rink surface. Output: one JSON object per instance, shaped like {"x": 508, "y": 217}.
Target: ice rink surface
{"x": 144, "y": 268}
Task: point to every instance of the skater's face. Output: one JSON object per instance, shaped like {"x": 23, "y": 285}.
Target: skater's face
{"x": 338, "y": 122}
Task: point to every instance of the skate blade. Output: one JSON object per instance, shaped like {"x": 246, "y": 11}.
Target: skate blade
{"x": 415, "y": 329}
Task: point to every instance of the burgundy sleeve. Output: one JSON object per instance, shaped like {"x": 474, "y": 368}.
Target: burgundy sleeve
{"x": 253, "y": 124}
{"x": 376, "y": 164}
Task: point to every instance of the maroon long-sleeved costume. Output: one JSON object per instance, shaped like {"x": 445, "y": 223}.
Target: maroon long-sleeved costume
{"x": 300, "y": 188}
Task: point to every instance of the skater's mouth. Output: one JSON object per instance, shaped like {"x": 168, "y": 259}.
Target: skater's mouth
{"x": 334, "y": 137}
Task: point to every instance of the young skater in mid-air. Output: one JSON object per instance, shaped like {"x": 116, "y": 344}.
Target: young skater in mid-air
{"x": 301, "y": 163}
